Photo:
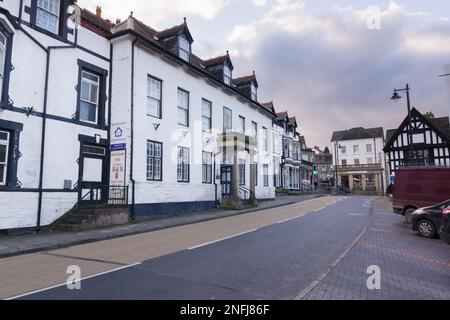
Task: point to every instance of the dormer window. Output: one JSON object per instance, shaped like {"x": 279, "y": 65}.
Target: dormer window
{"x": 254, "y": 93}
{"x": 227, "y": 75}
{"x": 47, "y": 15}
{"x": 184, "y": 48}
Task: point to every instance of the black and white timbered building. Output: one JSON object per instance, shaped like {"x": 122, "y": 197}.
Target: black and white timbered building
{"x": 427, "y": 144}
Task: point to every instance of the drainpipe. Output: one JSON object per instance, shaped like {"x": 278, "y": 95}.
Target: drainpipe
{"x": 133, "y": 182}
{"x": 44, "y": 125}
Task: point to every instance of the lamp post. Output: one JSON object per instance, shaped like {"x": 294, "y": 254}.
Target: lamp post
{"x": 337, "y": 147}
{"x": 397, "y": 97}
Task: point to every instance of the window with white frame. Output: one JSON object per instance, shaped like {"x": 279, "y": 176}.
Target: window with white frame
{"x": 183, "y": 165}
{"x": 227, "y": 120}
{"x": 47, "y": 15}
{"x": 265, "y": 137}
{"x": 184, "y": 48}
{"x": 154, "y": 161}
{"x": 227, "y": 75}
{"x": 4, "y": 153}
{"x": 3, "y": 46}
{"x": 207, "y": 167}
{"x": 206, "y": 115}
{"x": 343, "y": 149}
{"x": 183, "y": 107}
{"x": 355, "y": 149}
{"x": 254, "y": 92}
{"x": 369, "y": 148}
{"x": 266, "y": 175}
{"x": 89, "y": 97}
{"x": 154, "y": 97}
{"x": 241, "y": 124}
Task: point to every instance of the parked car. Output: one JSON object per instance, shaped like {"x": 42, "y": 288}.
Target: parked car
{"x": 428, "y": 221}
{"x": 445, "y": 228}
{"x": 418, "y": 188}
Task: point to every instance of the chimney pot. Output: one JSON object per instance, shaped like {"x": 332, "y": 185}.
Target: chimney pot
{"x": 98, "y": 11}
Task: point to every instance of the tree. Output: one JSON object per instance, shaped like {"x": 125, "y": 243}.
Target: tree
{"x": 327, "y": 150}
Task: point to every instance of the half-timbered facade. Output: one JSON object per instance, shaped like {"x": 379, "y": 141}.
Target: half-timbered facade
{"x": 54, "y": 111}
{"x": 426, "y": 144}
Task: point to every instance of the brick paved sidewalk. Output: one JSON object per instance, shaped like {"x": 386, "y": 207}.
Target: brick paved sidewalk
{"x": 47, "y": 240}
{"x": 412, "y": 267}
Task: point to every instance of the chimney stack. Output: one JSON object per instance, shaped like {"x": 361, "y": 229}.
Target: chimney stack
{"x": 429, "y": 115}
{"x": 98, "y": 11}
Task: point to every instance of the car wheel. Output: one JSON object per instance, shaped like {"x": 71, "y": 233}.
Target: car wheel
{"x": 408, "y": 215}
{"x": 426, "y": 229}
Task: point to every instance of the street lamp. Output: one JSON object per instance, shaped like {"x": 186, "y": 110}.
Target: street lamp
{"x": 397, "y": 97}
{"x": 337, "y": 146}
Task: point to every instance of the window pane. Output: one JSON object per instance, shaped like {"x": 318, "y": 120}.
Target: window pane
{"x": 2, "y": 153}
{"x": 2, "y": 174}
{"x": 94, "y": 94}
{"x": 206, "y": 109}
{"x": 88, "y": 111}
{"x": 91, "y": 77}
{"x": 85, "y": 91}
{"x": 3, "y": 136}
{"x": 182, "y": 116}
{"x": 153, "y": 107}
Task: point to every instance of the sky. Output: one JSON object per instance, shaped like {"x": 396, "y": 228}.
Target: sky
{"x": 332, "y": 63}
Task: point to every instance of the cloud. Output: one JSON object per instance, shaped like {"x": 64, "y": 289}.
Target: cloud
{"x": 153, "y": 12}
{"x": 333, "y": 73}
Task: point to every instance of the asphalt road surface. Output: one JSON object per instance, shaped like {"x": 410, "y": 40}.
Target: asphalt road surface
{"x": 273, "y": 254}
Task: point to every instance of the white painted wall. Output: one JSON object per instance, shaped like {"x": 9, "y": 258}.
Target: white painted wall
{"x": 27, "y": 80}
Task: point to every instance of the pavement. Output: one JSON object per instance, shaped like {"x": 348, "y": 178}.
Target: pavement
{"x": 412, "y": 267}
{"x": 49, "y": 240}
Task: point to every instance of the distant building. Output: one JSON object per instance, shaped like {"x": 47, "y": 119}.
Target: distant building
{"x": 430, "y": 142}
{"x": 359, "y": 161}
{"x": 306, "y": 172}
{"x": 323, "y": 163}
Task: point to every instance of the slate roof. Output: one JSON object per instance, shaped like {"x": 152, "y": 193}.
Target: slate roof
{"x": 357, "y": 134}
{"x": 245, "y": 80}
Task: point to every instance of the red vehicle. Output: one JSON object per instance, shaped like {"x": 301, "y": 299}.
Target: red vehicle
{"x": 418, "y": 188}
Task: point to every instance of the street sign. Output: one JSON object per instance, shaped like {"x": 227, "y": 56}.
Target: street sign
{"x": 118, "y": 147}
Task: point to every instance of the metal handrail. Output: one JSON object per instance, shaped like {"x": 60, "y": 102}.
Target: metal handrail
{"x": 113, "y": 195}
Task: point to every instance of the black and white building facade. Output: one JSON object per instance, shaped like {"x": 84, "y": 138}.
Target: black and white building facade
{"x": 427, "y": 143}
{"x": 120, "y": 106}
{"x": 54, "y": 111}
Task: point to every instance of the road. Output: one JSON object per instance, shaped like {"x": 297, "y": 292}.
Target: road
{"x": 292, "y": 252}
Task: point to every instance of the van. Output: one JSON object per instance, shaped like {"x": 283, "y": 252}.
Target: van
{"x": 416, "y": 188}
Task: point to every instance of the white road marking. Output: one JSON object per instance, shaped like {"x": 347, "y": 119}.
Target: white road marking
{"x": 82, "y": 279}
{"x": 356, "y": 214}
{"x": 223, "y": 239}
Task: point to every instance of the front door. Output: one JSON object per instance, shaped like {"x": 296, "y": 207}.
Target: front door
{"x": 226, "y": 179}
{"x": 93, "y": 174}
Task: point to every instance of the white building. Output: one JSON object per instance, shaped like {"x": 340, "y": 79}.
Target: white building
{"x": 175, "y": 110}
{"x": 359, "y": 159}
{"x": 122, "y": 114}
{"x": 54, "y": 119}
